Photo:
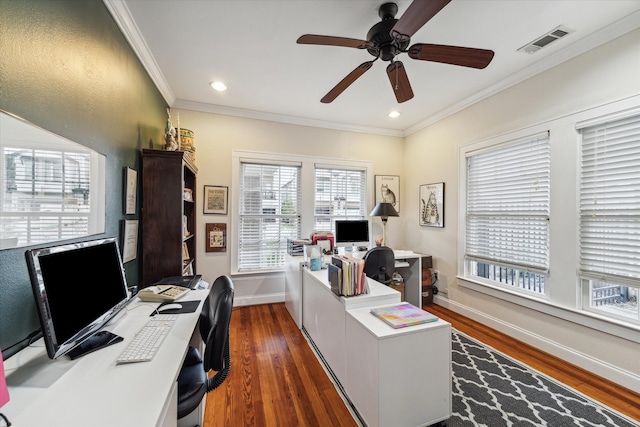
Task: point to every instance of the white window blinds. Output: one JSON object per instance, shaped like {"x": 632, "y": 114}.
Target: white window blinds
{"x": 339, "y": 193}
{"x": 610, "y": 199}
{"x": 269, "y": 214}
{"x": 508, "y": 196}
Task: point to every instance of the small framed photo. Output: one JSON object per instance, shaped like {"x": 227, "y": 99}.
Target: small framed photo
{"x": 216, "y": 237}
{"x": 129, "y": 240}
{"x": 432, "y": 205}
{"x": 187, "y": 195}
{"x": 130, "y": 184}
{"x": 388, "y": 190}
{"x": 215, "y": 199}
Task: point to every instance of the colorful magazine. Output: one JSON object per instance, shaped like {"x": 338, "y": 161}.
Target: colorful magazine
{"x": 403, "y": 315}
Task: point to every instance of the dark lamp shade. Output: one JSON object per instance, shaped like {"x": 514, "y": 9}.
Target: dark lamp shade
{"x": 384, "y": 210}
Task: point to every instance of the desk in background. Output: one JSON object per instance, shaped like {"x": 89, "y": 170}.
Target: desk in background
{"x": 93, "y": 390}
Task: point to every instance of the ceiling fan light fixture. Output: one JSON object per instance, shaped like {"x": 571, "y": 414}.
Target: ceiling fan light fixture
{"x": 390, "y": 37}
{"x": 394, "y": 114}
{"x": 219, "y": 86}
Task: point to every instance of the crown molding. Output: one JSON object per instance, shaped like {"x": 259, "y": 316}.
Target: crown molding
{"x": 279, "y": 118}
{"x": 605, "y": 35}
{"x": 122, "y": 16}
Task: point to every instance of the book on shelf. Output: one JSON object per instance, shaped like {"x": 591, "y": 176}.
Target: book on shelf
{"x": 185, "y": 252}
{"x": 403, "y": 315}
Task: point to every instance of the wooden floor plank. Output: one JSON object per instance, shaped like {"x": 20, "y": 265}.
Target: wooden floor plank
{"x": 276, "y": 380}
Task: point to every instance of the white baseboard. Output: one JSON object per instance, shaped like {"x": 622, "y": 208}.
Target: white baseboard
{"x": 624, "y": 378}
{"x": 259, "y": 299}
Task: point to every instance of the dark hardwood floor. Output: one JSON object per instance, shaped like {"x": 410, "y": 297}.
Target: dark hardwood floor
{"x": 276, "y": 380}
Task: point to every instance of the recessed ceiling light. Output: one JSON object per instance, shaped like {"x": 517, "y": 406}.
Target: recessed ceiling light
{"x": 394, "y": 114}
{"x": 219, "y": 86}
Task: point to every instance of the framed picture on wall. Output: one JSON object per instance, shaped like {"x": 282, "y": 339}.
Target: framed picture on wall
{"x": 432, "y": 205}
{"x": 130, "y": 185}
{"x": 215, "y": 199}
{"x": 216, "y": 237}
{"x": 387, "y": 190}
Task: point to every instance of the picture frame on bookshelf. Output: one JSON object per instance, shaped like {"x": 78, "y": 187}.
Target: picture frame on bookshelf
{"x": 432, "y": 205}
{"x": 215, "y": 199}
{"x": 216, "y": 237}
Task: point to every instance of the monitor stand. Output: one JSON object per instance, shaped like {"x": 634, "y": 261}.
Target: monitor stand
{"x": 95, "y": 342}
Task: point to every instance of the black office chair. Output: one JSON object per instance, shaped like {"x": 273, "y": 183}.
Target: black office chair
{"x": 379, "y": 264}
{"x": 215, "y": 317}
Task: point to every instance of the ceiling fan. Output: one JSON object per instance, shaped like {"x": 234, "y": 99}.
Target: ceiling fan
{"x": 391, "y": 37}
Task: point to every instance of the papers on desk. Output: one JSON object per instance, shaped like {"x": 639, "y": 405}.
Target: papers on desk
{"x": 399, "y": 253}
{"x": 346, "y": 276}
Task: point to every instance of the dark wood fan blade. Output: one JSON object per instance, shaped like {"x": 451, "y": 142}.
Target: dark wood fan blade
{"x": 416, "y": 15}
{"x": 464, "y": 56}
{"x": 333, "y": 41}
{"x": 399, "y": 81}
{"x": 346, "y": 82}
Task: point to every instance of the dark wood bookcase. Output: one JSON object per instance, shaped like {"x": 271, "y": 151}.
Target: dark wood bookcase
{"x": 167, "y": 248}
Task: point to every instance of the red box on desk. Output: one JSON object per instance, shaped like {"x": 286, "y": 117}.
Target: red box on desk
{"x": 316, "y": 238}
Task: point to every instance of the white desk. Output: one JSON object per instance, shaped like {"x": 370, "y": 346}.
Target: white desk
{"x": 394, "y": 377}
{"x": 398, "y": 377}
{"x": 93, "y": 390}
{"x": 324, "y": 314}
{"x": 408, "y": 264}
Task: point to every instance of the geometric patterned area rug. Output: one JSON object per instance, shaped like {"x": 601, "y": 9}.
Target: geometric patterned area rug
{"x": 493, "y": 390}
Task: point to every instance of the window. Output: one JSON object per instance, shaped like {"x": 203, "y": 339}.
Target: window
{"x": 269, "y": 214}
{"x": 339, "y": 193}
{"x": 287, "y": 196}
{"x": 507, "y": 214}
{"x": 609, "y": 212}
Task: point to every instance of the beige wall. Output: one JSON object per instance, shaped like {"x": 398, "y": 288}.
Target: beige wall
{"x": 216, "y": 136}
{"x": 553, "y": 100}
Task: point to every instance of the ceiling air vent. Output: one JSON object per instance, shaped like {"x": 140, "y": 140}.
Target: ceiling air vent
{"x": 544, "y": 40}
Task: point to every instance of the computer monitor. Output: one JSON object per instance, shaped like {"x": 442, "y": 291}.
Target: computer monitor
{"x": 78, "y": 288}
{"x": 352, "y": 233}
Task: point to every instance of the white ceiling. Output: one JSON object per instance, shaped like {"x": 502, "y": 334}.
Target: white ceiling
{"x": 251, "y": 46}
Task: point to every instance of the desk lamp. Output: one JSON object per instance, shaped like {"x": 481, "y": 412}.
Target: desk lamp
{"x": 384, "y": 211}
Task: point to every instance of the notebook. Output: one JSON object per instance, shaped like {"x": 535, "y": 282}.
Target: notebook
{"x": 403, "y": 315}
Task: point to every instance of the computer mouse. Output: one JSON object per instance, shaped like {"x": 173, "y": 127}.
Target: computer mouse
{"x": 172, "y": 306}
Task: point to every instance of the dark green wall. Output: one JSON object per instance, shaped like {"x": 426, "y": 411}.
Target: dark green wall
{"x": 66, "y": 67}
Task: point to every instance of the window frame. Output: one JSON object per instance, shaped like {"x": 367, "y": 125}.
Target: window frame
{"x": 592, "y": 283}
{"x": 472, "y": 261}
{"x": 307, "y": 185}
{"x": 564, "y": 300}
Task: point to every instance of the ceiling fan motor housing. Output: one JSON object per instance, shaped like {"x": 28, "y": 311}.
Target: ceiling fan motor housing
{"x": 384, "y": 46}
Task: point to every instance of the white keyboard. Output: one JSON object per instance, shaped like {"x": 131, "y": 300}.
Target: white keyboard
{"x": 148, "y": 339}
